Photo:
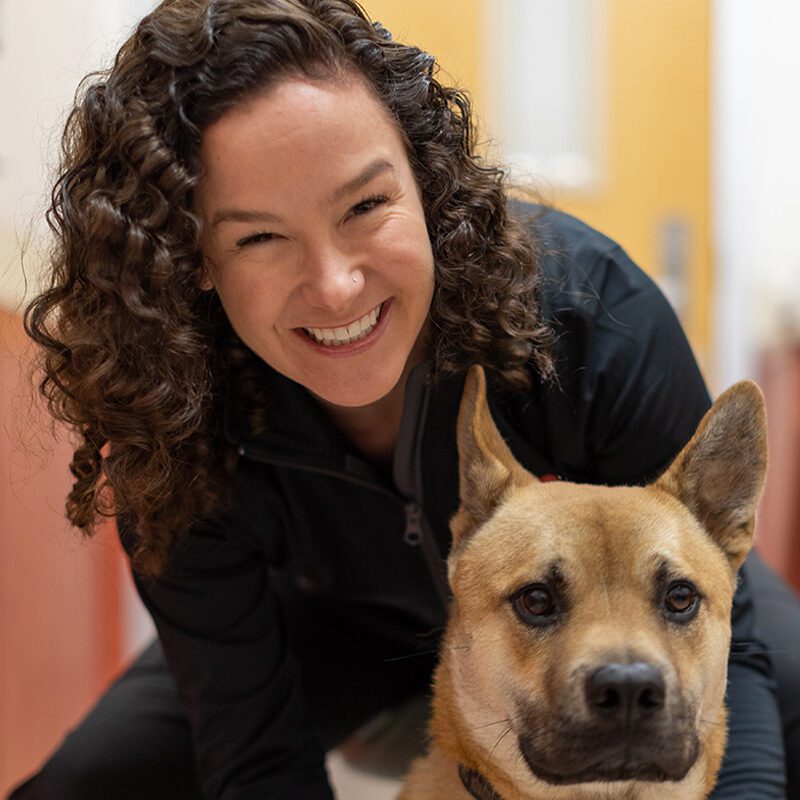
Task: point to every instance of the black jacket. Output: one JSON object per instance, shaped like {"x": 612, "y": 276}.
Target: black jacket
{"x": 629, "y": 395}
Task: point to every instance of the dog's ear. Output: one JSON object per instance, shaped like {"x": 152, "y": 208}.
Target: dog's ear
{"x": 719, "y": 475}
{"x": 487, "y": 469}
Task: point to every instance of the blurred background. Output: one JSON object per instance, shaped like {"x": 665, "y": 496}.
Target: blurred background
{"x": 667, "y": 124}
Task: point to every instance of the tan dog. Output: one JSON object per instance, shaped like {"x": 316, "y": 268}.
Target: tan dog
{"x": 586, "y": 654}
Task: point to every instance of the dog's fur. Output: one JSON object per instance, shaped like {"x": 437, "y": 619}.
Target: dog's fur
{"x": 516, "y": 705}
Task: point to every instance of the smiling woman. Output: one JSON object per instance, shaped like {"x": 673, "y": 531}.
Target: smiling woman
{"x": 275, "y": 256}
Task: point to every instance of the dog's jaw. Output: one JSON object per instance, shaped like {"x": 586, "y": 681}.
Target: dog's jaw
{"x": 460, "y": 705}
{"x": 492, "y": 748}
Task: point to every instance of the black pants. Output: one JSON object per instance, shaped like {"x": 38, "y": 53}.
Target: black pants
{"x": 135, "y": 744}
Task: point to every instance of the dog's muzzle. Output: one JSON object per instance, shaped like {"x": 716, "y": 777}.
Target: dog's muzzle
{"x": 624, "y": 727}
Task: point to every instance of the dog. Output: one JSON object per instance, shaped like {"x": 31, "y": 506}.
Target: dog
{"x": 586, "y": 653}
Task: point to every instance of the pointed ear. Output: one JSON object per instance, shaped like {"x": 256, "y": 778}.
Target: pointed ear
{"x": 719, "y": 475}
{"x": 487, "y": 469}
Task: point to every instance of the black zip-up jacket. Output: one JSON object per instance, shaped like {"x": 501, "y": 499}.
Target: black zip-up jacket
{"x": 629, "y": 395}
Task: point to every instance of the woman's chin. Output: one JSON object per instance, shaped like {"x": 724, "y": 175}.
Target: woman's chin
{"x": 356, "y": 394}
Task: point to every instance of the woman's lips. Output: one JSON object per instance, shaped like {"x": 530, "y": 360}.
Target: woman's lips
{"x": 346, "y": 334}
{"x": 355, "y": 346}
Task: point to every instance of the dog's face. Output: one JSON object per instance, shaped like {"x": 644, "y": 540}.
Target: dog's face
{"x": 598, "y": 622}
{"x": 591, "y": 625}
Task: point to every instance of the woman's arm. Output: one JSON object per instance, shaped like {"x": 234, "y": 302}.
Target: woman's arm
{"x": 220, "y": 626}
{"x": 754, "y": 758}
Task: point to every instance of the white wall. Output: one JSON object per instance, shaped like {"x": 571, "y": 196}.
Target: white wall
{"x": 546, "y": 89}
{"x": 756, "y": 182}
{"x": 46, "y": 47}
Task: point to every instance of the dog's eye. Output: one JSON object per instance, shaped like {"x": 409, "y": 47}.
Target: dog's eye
{"x": 535, "y": 604}
{"x": 681, "y": 600}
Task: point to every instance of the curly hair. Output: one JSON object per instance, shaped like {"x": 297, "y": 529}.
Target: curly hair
{"x": 136, "y": 357}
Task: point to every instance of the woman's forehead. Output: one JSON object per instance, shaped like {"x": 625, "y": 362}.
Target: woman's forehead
{"x": 300, "y": 104}
{"x": 301, "y": 134}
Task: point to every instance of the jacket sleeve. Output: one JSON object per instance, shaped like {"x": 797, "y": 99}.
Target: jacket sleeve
{"x": 637, "y": 396}
{"x": 220, "y": 625}
{"x": 754, "y": 758}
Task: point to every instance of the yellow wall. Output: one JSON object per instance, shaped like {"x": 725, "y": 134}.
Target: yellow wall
{"x": 657, "y": 162}
{"x": 658, "y": 143}
{"x": 448, "y": 29}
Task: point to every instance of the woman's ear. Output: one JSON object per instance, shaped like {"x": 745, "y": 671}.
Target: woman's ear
{"x": 206, "y": 277}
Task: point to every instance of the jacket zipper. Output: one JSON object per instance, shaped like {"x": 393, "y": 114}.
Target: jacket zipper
{"x": 416, "y": 531}
{"x": 408, "y": 477}
{"x": 413, "y": 533}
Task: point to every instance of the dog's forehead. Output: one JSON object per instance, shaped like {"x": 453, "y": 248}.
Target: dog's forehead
{"x": 590, "y": 532}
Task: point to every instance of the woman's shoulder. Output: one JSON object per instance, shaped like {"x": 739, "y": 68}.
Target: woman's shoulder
{"x": 628, "y": 393}
{"x": 556, "y": 230}
{"x": 582, "y": 269}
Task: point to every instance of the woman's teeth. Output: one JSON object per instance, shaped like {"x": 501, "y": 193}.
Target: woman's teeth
{"x": 336, "y": 337}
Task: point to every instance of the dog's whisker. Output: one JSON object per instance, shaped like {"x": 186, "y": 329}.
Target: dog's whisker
{"x": 432, "y": 632}
{"x": 500, "y": 739}
{"x": 504, "y": 721}
{"x": 710, "y": 722}
{"x": 410, "y": 655}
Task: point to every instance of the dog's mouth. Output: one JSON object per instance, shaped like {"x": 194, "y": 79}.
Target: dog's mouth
{"x": 624, "y": 768}
{"x": 627, "y": 726}
{"x": 574, "y": 760}
{"x": 569, "y": 748}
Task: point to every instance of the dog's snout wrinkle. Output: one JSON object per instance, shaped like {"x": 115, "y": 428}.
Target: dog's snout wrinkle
{"x": 626, "y": 694}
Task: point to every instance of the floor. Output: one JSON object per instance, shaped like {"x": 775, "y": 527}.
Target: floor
{"x": 350, "y": 784}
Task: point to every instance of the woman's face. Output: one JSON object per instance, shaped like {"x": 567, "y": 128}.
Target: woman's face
{"x": 315, "y": 237}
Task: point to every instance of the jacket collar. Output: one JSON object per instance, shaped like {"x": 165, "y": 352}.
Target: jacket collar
{"x": 299, "y": 432}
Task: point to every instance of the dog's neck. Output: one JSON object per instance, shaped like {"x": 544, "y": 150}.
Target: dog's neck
{"x": 478, "y": 786}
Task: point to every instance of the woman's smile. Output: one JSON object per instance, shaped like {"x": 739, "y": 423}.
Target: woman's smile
{"x": 335, "y": 338}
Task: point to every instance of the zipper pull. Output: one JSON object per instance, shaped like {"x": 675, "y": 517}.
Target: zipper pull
{"x": 412, "y": 535}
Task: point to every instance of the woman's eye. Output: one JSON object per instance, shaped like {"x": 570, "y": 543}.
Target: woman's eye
{"x": 255, "y": 238}
{"x": 367, "y": 205}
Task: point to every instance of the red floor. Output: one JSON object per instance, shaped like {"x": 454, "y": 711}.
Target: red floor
{"x": 60, "y": 633}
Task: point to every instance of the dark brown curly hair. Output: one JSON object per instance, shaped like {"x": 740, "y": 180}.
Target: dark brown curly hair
{"x": 137, "y": 358}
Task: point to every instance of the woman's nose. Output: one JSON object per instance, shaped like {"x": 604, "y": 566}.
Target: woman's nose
{"x": 332, "y": 281}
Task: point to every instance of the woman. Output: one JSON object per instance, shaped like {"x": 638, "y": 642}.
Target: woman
{"x": 276, "y": 254}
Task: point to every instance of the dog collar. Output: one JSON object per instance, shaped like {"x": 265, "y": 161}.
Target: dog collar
{"x": 476, "y": 784}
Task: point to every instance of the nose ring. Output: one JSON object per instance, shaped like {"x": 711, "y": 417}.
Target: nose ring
{"x": 355, "y": 279}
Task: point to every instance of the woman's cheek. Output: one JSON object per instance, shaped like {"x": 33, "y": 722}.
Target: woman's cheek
{"x": 246, "y": 295}
{"x": 405, "y": 240}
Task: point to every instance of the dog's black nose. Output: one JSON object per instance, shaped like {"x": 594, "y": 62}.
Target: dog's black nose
{"x": 625, "y": 693}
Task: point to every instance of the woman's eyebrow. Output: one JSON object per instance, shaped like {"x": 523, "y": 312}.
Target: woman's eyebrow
{"x": 242, "y": 215}
{"x": 371, "y": 171}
